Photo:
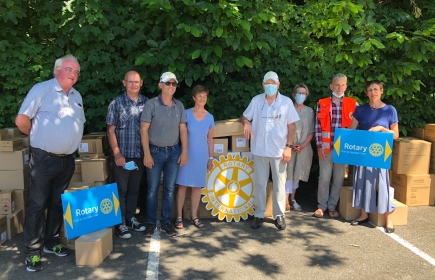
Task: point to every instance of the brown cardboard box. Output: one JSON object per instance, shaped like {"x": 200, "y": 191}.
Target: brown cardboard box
{"x": 417, "y": 132}
{"x": 78, "y": 186}
{"x": 227, "y": 128}
{"x": 101, "y": 183}
{"x": 3, "y": 229}
{"x": 11, "y": 145}
{"x": 412, "y": 189}
{"x": 96, "y": 169}
{"x": 78, "y": 168}
{"x": 432, "y": 190}
{"x": 93, "y": 248}
{"x": 345, "y": 207}
{"x": 4, "y": 134}
{"x": 429, "y": 132}
{"x": 91, "y": 156}
{"x": 14, "y": 179}
{"x": 239, "y": 143}
{"x": 20, "y": 197}
{"x": 15, "y": 223}
{"x": 106, "y": 145}
{"x": 399, "y": 216}
{"x": 77, "y": 177}
{"x": 14, "y": 132}
{"x": 220, "y": 146}
{"x": 411, "y": 155}
{"x": 7, "y": 202}
{"x": 14, "y": 160}
{"x": 91, "y": 144}
{"x": 26, "y": 141}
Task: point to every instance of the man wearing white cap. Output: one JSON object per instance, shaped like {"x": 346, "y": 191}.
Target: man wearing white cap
{"x": 164, "y": 140}
{"x": 272, "y": 131}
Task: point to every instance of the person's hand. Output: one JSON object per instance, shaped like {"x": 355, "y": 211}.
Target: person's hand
{"x": 148, "y": 161}
{"x": 321, "y": 153}
{"x": 286, "y": 155}
{"x": 119, "y": 159}
{"x": 182, "y": 160}
{"x": 377, "y": 128}
{"x": 247, "y": 130}
{"x": 297, "y": 148}
{"x": 209, "y": 164}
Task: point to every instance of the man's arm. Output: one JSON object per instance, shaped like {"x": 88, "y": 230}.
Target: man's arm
{"x": 113, "y": 141}
{"x": 183, "y": 138}
{"x": 148, "y": 160}
{"x": 287, "y": 154}
{"x": 247, "y": 127}
{"x": 23, "y": 123}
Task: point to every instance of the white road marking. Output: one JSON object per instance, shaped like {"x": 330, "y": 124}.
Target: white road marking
{"x": 409, "y": 246}
{"x": 154, "y": 256}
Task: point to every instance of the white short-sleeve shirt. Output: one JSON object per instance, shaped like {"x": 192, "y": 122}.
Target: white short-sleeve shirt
{"x": 269, "y": 124}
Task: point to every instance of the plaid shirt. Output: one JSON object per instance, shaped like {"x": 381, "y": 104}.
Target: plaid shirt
{"x": 335, "y": 114}
{"x": 125, "y": 114}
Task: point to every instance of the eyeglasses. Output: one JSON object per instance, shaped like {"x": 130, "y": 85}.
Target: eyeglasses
{"x": 174, "y": 84}
{"x": 301, "y": 93}
{"x": 70, "y": 70}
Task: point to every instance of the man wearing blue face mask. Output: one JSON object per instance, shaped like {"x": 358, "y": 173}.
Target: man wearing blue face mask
{"x": 272, "y": 131}
{"x": 123, "y": 130}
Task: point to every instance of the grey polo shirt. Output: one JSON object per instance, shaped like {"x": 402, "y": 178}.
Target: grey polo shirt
{"x": 164, "y": 121}
{"x": 57, "y": 119}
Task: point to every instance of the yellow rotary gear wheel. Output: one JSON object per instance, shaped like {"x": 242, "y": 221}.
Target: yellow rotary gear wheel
{"x": 376, "y": 149}
{"x": 106, "y": 206}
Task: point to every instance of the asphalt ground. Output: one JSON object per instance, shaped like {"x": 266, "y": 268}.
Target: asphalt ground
{"x": 310, "y": 248}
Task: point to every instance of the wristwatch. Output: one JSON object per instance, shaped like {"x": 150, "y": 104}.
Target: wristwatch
{"x": 289, "y": 145}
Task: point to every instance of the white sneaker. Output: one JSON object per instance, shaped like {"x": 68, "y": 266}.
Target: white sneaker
{"x": 296, "y": 206}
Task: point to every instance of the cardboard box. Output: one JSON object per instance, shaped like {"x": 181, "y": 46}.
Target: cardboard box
{"x": 227, "y": 128}
{"x": 7, "y": 202}
{"x": 102, "y": 183}
{"x": 91, "y": 156}
{"x": 417, "y": 132}
{"x": 15, "y": 223}
{"x": 399, "y": 216}
{"x": 91, "y": 144}
{"x": 14, "y": 160}
{"x": 239, "y": 143}
{"x": 220, "y": 146}
{"x": 233, "y": 154}
{"x": 96, "y": 169}
{"x": 26, "y": 141}
{"x": 11, "y": 145}
{"x": 3, "y": 229}
{"x": 93, "y": 248}
{"x": 77, "y": 177}
{"x": 14, "y": 179}
{"x": 412, "y": 189}
{"x": 432, "y": 190}
{"x": 410, "y": 155}
{"x": 14, "y": 132}
{"x": 345, "y": 207}
{"x": 20, "y": 197}
{"x": 78, "y": 168}
{"x": 429, "y": 132}
{"x": 78, "y": 186}
{"x": 4, "y": 134}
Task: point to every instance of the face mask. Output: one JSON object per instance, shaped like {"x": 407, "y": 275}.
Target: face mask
{"x": 336, "y": 95}
{"x": 300, "y": 98}
{"x": 270, "y": 89}
{"x": 130, "y": 166}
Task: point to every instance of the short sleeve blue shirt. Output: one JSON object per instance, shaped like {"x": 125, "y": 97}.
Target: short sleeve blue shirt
{"x": 368, "y": 117}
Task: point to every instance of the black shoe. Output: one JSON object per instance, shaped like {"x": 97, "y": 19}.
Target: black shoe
{"x": 358, "y": 223}
{"x": 257, "y": 223}
{"x": 134, "y": 224}
{"x": 280, "y": 222}
{"x": 122, "y": 232}
{"x": 33, "y": 263}
{"x": 59, "y": 250}
{"x": 150, "y": 229}
{"x": 169, "y": 229}
{"x": 389, "y": 230}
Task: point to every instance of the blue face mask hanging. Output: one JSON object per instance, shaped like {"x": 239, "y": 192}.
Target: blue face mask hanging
{"x": 131, "y": 165}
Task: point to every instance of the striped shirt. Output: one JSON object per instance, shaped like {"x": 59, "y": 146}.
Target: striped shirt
{"x": 124, "y": 114}
{"x": 335, "y": 114}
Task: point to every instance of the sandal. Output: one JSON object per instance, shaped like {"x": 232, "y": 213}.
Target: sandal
{"x": 179, "y": 223}
{"x": 318, "y": 213}
{"x": 333, "y": 213}
{"x": 296, "y": 206}
{"x": 197, "y": 223}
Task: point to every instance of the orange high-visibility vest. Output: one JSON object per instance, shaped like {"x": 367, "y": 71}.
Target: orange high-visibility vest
{"x": 347, "y": 109}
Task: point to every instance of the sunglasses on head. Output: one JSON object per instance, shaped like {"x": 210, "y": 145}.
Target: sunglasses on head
{"x": 174, "y": 84}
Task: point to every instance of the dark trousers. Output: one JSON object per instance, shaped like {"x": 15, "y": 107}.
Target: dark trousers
{"x": 49, "y": 176}
{"x": 128, "y": 187}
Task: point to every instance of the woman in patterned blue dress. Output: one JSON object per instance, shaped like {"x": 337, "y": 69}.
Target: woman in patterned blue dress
{"x": 200, "y": 125}
{"x": 371, "y": 184}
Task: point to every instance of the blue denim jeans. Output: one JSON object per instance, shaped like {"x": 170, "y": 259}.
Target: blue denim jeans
{"x": 166, "y": 160}
{"x": 49, "y": 177}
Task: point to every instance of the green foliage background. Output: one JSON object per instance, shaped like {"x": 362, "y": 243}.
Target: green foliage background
{"x": 226, "y": 45}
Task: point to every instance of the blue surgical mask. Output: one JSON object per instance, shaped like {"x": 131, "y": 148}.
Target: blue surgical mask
{"x": 336, "y": 95}
{"x": 270, "y": 89}
{"x": 131, "y": 165}
{"x": 300, "y": 98}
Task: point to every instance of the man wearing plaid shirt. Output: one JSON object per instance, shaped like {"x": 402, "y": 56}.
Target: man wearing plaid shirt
{"x": 123, "y": 130}
{"x": 332, "y": 112}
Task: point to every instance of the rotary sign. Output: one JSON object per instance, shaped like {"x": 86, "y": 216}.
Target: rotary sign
{"x": 229, "y": 193}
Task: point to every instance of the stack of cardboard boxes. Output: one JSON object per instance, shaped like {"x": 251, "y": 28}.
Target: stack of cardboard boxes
{"x": 14, "y": 183}
{"x": 228, "y": 138}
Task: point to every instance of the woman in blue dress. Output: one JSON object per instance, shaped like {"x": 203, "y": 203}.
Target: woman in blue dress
{"x": 200, "y": 125}
{"x": 371, "y": 184}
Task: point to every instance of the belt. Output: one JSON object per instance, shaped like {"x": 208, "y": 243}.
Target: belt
{"x": 48, "y": 153}
{"x": 167, "y": 147}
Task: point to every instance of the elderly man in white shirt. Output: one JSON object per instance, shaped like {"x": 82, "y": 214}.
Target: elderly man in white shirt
{"x": 272, "y": 131}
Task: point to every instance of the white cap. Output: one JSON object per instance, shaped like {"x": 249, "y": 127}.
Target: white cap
{"x": 168, "y": 76}
{"x": 271, "y": 76}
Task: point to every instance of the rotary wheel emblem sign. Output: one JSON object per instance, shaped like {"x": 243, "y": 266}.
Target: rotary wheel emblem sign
{"x": 230, "y": 188}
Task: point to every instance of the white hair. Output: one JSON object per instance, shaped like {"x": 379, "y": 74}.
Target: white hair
{"x": 60, "y": 60}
